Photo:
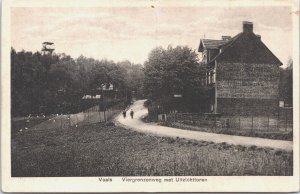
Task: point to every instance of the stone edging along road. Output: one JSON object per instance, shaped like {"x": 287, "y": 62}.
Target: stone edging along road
{"x": 151, "y": 128}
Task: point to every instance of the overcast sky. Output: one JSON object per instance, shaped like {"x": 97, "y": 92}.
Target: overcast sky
{"x": 130, "y": 33}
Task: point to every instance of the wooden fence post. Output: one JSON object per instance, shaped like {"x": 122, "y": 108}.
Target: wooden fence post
{"x": 99, "y": 114}
{"x": 285, "y": 120}
{"x": 268, "y": 122}
{"x": 278, "y": 117}
{"x": 61, "y": 121}
{"x": 215, "y": 122}
{"x": 252, "y": 121}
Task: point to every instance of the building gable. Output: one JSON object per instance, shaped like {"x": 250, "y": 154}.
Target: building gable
{"x": 211, "y": 44}
{"x": 247, "y": 48}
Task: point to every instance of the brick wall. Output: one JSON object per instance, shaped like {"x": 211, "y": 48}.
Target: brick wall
{"x": 247, "y": 89}
{"x": 247, "y": 107}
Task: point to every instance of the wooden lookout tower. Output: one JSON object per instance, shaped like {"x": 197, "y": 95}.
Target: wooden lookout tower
{"x": 47, "y": 48}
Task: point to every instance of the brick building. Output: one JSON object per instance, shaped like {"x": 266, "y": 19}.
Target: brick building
{"x": 242, "y": 74}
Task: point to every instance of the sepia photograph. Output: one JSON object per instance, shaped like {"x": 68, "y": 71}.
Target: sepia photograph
{"x": 151, "y": 93}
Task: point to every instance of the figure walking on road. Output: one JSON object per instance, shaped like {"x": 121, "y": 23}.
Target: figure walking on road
{"x": 131, "y": 113}
{"x": 124, "y": 114}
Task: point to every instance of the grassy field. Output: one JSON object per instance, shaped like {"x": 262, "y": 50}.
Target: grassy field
{"x": 22, "y": 124}
{"x": 107, "y": 150}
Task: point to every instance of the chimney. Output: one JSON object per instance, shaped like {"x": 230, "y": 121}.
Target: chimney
{"x": 226, "y": 37}
{"x": 258, "y": 36}
{"x": 247, "y": 27}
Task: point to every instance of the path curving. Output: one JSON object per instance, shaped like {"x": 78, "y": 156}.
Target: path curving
{"x": 152, "y": 128}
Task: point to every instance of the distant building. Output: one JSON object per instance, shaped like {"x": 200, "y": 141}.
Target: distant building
{"x": 87, "y": 97}
{"x": 107, "y": 92}
{"x": 97, "y": 96}
{"x": 107, "y": 87}
{"x": 242, "y": 74}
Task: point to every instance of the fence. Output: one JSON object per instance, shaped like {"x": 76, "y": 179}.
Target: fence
{"x": 281, "y": 121}
{"x": 92, "y": 115}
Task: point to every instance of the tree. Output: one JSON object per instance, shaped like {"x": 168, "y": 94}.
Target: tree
{"x": 56, "y": 83}
{"x": 134, "y": 77}
{"x": 29, "y": 80}
{"x": 286, "y": 83}
{"x": 174, "y": 71}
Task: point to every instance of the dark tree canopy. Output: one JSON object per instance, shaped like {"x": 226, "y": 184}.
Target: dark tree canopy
{"x": 174, "y": 71}
{"x": 56, "y": 83}
{"x": 286, "y": 84}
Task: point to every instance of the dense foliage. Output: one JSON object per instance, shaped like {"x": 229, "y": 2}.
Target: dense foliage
{"x": 175, "y": 71}
{"x": 56, "y": 83}
{"x": 286, "y": 84}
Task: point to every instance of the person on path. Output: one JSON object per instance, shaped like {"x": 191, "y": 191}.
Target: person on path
{"x": 124, "y": 114}
{"x": 131, "y": 113}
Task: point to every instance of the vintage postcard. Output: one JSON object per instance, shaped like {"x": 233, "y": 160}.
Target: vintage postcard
{"x": 150, "y": 96}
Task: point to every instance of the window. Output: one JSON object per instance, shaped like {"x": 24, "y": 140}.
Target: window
{"x": 210, "y": 77}
{"x": 212, "y": 107}
{"x": 214, "y": 76}
{"x": 204, "y": 56}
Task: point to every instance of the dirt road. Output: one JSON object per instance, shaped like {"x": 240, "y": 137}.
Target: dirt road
{"x": 152, "y": 128}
